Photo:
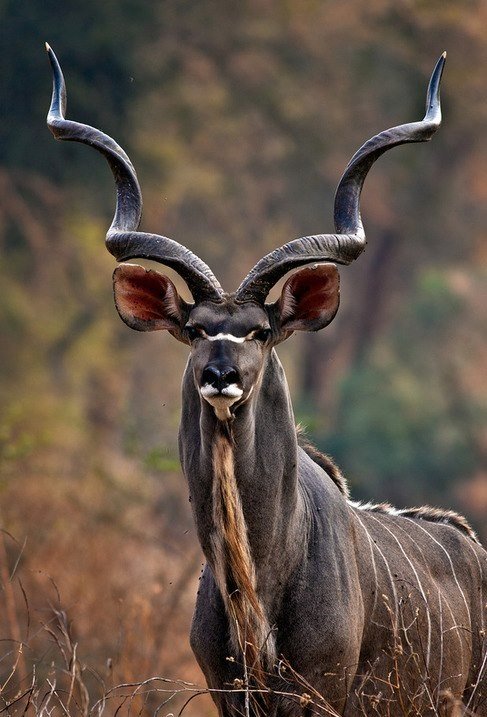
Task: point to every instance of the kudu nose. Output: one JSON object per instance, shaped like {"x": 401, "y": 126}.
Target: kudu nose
{"x": 219, "y": 376}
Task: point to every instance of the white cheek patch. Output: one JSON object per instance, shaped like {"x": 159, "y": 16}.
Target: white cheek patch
{"x": 221, "y": 401}
{"x": 231, "y": 391}
{"x": 207, "y": 391}
{"x": 226, "y": 337}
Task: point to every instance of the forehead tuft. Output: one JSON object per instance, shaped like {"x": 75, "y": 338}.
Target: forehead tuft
{"x": 228, "y": 317}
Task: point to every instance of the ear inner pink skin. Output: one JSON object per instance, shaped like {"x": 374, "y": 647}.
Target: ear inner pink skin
{"x": 310, "y": 298}
{"x": 145, "y": 299}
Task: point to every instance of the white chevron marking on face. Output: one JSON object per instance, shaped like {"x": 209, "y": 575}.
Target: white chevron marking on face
{"x": 226, "y": 337}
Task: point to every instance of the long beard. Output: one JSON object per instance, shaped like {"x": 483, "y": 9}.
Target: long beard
{"x": 233, "y": 567}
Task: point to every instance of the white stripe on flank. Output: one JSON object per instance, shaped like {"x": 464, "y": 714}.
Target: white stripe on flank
{"x": 428, "y": 616}
{"x": 455, "y": 626}
{"x": 226, "y": 337}
{"x": 440, "y": 673}
{"x": 417, "y": 523}
{"x": 371, "y": 545}
{"x": 440, "y": 606}
{"x": 393, "y": 586}
{"x": 477, "y": 683}
{"x": 482, "y": 622}
{"x": 441, "y": 600}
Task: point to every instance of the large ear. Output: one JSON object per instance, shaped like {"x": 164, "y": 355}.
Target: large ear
{"x": 310, "y": 298}
{"x": 147, "y": 300}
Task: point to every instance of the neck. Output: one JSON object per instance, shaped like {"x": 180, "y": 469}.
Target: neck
{"x": 242, "y": 477}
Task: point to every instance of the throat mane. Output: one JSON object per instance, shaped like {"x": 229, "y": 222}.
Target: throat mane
{"x": 233, "y": 565}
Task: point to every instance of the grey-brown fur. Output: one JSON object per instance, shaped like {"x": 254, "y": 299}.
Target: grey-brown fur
{"x": 361, "y": 601}
{"x": 323, "y": 460}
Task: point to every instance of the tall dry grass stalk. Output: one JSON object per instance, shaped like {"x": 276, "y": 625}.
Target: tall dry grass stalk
{"x": 60, "y": 684}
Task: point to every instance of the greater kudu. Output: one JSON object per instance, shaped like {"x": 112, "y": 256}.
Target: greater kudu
{"x": 309, "y": 604}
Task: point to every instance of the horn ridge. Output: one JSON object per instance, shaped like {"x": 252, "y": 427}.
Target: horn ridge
{"x": 141, "y": 245}
{"x": 349, "y": 241}
{"x": 347, "y": 210}
{"x": 123, "y": 240}
{"x": 129, "y": 197}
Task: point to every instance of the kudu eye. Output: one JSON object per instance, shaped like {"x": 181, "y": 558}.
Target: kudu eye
{"x": 192, "y": 332}
{"x": 262, "y": 335}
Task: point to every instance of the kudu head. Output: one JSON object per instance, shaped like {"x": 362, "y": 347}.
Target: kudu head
{"x": 231, "y": 335}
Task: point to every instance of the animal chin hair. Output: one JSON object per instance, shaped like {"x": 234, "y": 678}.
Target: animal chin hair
{"x": 233, "y": 566}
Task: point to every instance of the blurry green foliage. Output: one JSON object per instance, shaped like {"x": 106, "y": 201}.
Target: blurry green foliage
{"x": 162, "y": 460}
{"x": 14, "y": 445}
{"x": 97, "y": 43}
{"x": 400, "y": 434}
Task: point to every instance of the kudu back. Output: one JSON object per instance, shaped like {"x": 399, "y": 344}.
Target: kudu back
{"x": 309, "y": 604}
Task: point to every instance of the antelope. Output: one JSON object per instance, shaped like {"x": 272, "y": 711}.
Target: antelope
{"x": 309, "y": 603}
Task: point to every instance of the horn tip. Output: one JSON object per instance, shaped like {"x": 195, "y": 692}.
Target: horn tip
{"x": 444, "y": 55}
{"x": 51, "y": 55}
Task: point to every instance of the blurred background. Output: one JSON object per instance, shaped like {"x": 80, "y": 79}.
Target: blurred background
{"x": 240, "y": 118}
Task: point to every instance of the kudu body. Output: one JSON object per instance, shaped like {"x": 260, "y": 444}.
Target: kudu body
{"x": 309, "y": 604}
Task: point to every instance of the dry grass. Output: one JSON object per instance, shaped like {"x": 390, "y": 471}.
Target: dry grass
{"x": 44, "y": 672}
{"x": 100, "y": 597}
